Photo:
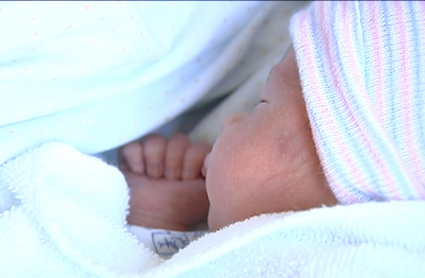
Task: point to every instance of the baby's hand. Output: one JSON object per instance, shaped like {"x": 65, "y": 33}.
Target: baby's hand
{"x": 167, "y": 190}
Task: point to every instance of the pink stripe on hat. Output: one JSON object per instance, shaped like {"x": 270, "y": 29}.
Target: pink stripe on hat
{"x": 362, "y": 119}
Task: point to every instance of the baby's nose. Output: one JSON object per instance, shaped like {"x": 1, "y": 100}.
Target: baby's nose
{"x": 233, "y": 119}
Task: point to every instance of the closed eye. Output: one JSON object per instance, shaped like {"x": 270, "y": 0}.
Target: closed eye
{"x": 260, "y": 103}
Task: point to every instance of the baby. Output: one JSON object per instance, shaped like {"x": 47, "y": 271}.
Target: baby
{"x": 340, "y": 122}
{"x": 263, "y": 162}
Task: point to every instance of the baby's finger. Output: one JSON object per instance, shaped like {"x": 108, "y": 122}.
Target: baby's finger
{"x": 154, "y": 148}
{"x": 176, "y": 149}
{"x": 131, "y": 158}
{"x": 205, "y": 165}
{"x": 194, "y": 160}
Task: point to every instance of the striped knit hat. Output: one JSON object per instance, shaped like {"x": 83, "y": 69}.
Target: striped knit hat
{"x": 362, "y": 69}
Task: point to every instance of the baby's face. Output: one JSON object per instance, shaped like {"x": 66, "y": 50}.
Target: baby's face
{"x": 266, "y": 161}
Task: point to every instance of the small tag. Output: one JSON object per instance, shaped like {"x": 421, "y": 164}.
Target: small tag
{"x": 168, "y": 243}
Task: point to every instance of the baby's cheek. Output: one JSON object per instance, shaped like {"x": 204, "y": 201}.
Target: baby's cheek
{"x": 228, "y": 185}
{"x": 223, "y": 183}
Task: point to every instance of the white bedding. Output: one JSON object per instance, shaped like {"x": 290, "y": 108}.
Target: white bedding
{"x": 63, "y": 212}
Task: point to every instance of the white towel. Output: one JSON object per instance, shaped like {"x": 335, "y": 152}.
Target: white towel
{"x": 63, "y": 215}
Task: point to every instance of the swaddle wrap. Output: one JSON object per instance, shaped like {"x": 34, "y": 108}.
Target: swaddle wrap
{"x": 63, "y": 215}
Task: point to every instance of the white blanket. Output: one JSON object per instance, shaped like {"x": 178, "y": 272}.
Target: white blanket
{"x": 63, "y": 215}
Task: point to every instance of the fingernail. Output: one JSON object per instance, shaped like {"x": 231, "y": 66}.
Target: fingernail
{"x": 207, "y": 160}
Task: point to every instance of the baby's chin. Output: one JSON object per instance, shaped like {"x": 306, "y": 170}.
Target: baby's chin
{"x": 217, "y": 221}
{"x": 211, "y": 221}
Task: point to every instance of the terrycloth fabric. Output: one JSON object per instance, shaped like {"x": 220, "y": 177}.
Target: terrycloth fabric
{"x": 362, "y": 67}
{"x": 62, "y": 215}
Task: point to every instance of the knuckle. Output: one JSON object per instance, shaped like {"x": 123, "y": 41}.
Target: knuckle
{"x": 154, "y": 139}
{"x": 131, "y": 149}
{"x": 178, "y": 142}
{"x": 154, "y": 144}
